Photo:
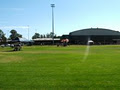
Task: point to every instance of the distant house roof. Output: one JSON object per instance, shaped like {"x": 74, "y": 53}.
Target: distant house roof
{"x": 95, "y": 31}
{"x": 23, "y": 40}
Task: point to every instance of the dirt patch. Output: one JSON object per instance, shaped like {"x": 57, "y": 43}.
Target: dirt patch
{"x": 11, "y": 59}
{"x": 48, "y": 52}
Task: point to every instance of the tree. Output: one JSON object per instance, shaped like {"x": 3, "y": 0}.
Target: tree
{"x": 47, "y": 35}
{"x": 41, "y": 36}
{"x": 55, "y": 36}
{"x": 1, "y": 33}
{"x": 51, "y": 34}
{"x": 44, "y": 36}
{"x": 36, "y": 35}
{"x": 3, "y": 39}
{"x": 14, "y": 34}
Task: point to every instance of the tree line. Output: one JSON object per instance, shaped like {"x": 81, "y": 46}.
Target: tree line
{"x": 48, "y": 35}
{"x": 14, "y": 34}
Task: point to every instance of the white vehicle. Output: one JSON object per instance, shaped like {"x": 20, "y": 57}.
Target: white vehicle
{"x": 90, "y": 42}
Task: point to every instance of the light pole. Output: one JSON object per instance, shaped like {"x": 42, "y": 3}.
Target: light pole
{"x": 53, "y": 5}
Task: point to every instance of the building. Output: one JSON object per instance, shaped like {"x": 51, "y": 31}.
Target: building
{"x": 46, "y": 41}
{"x": 23, "y": 41}
{"x": 97, "y": 35}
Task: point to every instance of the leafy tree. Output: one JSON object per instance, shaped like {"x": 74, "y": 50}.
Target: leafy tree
{"x": 55, "y": 36}
{"x": 36, "y": 35}
{"x": 51, "y": 34}
{"x": 44, "y": 36}
{"x": 47, "y": 35}
{"x": 3, "y": 39}
{"x": 1, "y": 33}
{"x": 14, "y": 34}
{"x": 41, "y": 36}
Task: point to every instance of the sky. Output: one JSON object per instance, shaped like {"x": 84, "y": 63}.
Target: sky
{"x": 70, "y": 15}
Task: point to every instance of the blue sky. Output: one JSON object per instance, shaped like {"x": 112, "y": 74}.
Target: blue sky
{"x": 70, "y": 15}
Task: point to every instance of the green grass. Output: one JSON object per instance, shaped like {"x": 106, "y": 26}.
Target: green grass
{"x": 60, "y": 68}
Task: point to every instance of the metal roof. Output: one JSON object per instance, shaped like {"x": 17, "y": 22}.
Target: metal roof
{"x": 46, "y": 39}
{"x": 95, "y": 31}
{"x": 20, "y": 40}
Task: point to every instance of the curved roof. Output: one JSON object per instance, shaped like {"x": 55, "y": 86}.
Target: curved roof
{"x": 95, "y": 31}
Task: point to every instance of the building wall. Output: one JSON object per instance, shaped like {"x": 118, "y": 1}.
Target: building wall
{"x": 97, "y": 39}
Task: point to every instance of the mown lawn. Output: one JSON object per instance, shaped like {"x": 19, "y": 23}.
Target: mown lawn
{"x": 60, "y": 68}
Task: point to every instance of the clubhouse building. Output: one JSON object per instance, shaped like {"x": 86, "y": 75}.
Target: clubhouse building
{"x": 97, "y": 35}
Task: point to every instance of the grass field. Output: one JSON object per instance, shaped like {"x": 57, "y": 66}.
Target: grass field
{"x": 60, "y": 68}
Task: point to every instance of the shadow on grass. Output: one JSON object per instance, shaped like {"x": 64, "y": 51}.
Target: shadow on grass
{"x": 11, "y": 51}
{"x": 8, "y": 51}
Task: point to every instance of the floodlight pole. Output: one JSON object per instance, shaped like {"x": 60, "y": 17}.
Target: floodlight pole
{"x": 53, "y": 5}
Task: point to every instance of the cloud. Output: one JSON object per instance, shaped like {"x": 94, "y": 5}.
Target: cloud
{"x": 17, "y": 9}
{"x": 3, "y": 22}
{"x": 13, "y": 9}
{"x": 14, "y": 27}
